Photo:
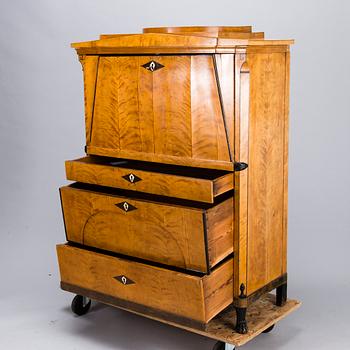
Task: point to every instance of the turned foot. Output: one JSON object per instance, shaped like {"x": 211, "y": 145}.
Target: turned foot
{"x": 241, "y": 323}
{"x": 281, "y": 294}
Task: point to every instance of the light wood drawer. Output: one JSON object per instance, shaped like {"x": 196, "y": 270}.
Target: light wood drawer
{"x": 190, "y": 235}
{"x": 166, "y": 180}
{"x": 144, "y": 288}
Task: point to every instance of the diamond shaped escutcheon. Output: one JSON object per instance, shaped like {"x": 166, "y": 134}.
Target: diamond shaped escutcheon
{"x": 152, "y": 66}
{"x": 126, "y": 206}
{"x": 124, "y": 280}
{"x": 132, "y": 178}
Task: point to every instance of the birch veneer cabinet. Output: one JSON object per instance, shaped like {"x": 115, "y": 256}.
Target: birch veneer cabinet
{"x": 179, "y": 208}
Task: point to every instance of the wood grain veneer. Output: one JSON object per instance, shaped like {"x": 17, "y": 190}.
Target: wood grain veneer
{"x": 177, "y": 235}
{"x": 154, "y": 287}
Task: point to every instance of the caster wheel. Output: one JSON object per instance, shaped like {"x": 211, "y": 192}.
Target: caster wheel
{"x": 80, "y": 305}
{"x": 268, "y": 330}
{"x": 223, "y": 346}
{"x": 219, "y": 346}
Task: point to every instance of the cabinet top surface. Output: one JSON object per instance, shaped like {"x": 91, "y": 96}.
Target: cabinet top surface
{"x": 180, "y": 40}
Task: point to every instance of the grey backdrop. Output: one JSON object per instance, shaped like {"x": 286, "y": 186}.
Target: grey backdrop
{"x": 42, "y": 125}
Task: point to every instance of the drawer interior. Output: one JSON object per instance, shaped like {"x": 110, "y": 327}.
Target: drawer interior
{"x": 150, "y": 263}
{"x": 166, "y": 180}
{"x": 118, "y": 192}
{"x": 200, "y": 173}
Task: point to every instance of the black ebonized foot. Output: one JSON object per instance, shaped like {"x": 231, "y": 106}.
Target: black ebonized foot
{"x": 281, "y": 295}
{"x": 241, "y": 323}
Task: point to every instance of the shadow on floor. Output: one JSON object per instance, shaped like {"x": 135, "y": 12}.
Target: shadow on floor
{"x": 112, "y": 328}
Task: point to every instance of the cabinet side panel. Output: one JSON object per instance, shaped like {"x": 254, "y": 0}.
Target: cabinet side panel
{"x": 285, "y": 174}
{"x": 266, "y": 168}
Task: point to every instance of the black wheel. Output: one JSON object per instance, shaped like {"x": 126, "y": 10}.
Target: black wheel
{"x": 268, "y": 330}
{"x": 80, "y": 305}
{"x": 221, "y": 346}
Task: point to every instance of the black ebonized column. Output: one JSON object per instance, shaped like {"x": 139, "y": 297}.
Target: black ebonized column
{"x": 281, "y": 294}
{"x": 241, "y": 322}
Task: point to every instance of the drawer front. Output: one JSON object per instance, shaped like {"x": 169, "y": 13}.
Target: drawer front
{"x": 139, "y": 286}
{"x": 164, "y": 233}
{"x": 158, "y": 108}
{"x": 203, "y": 185}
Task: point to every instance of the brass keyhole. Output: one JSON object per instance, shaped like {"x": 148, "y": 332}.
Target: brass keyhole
{"x": 131, "y": 178}
{"x": 152, "y": 66}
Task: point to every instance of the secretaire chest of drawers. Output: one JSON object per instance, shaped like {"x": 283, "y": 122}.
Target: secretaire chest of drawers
{"x": 179, "y": 207}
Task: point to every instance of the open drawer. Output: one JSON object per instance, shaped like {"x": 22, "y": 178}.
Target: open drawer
{"x": 167, "y": 180}
{"x": 191, "y": 299}
{"x": 190, "y": 235}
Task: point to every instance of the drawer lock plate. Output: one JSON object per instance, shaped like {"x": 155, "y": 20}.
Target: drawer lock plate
{"x": 126, "y": 206}
{"x": 152, "y": 66}
{"x": 124, "y": 280}
{"x": 132, "y": 178}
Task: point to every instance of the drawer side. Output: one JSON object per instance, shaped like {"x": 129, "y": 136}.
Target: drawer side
{"x": 219, "y": 222}
{"x": 218, "y": 289}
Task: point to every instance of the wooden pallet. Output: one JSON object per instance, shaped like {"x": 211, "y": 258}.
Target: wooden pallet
{"x": 261, "y": 315}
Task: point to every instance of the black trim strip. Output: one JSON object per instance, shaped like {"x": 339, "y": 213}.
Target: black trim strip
{"x": 206, "y": 243}
{"x": 132, "y": 306}
{"x": 148, "y": 197}
{"x": 222, "y": 105}
{"x": 161, "y": 168}
{"x": 93, "y": 105}
{"x": 64, "y": 220}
